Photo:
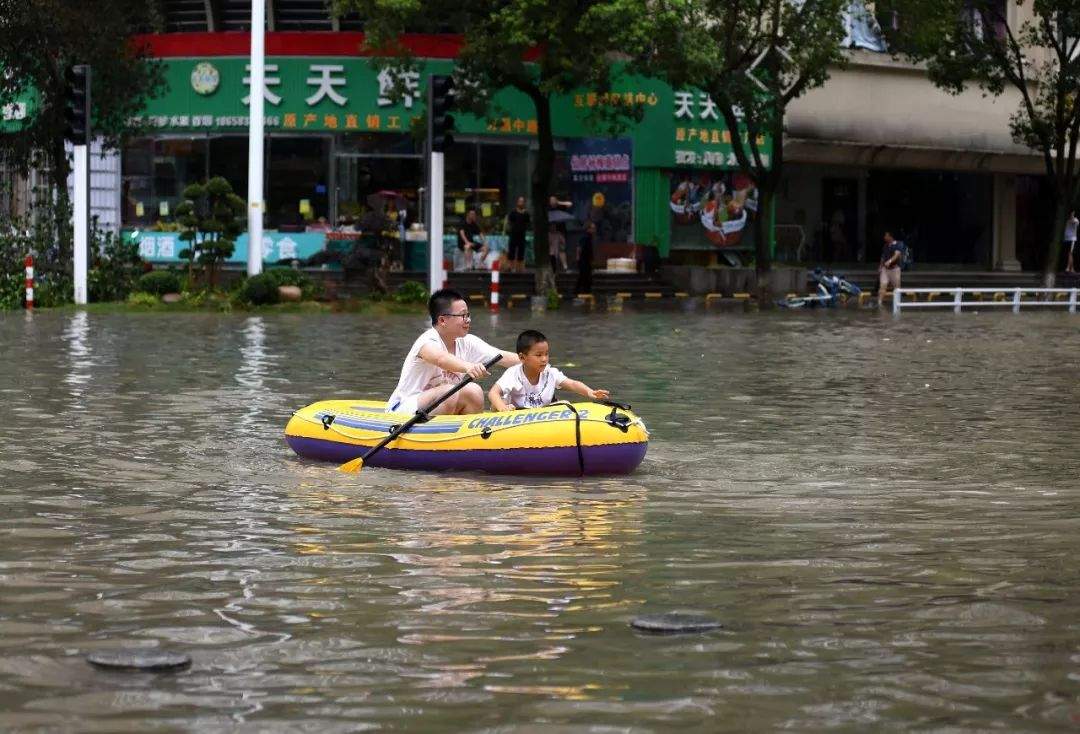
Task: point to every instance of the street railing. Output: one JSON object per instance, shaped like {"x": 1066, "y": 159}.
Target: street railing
{"x": 954, "y": 298}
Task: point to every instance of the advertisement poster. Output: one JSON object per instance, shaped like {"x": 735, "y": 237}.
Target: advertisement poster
{"x": 601, "y": 172}
{"x": 712, "y": 209}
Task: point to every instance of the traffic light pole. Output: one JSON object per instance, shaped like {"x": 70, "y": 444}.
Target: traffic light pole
{"x": 81, "y": 203}
{"x": 436, "y": 161}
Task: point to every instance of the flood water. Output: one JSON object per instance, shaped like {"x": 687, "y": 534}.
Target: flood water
{"x": 884, "y": 514}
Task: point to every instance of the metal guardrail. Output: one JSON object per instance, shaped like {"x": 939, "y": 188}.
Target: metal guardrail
{"x": 1002, "y": 297}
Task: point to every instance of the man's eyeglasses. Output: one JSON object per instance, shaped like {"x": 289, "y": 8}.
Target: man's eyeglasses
{"x": 463, "y": 316}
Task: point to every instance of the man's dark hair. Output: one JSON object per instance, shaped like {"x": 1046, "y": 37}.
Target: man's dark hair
{"x": 528, "y": 339}
{"x": 441, "y": 301}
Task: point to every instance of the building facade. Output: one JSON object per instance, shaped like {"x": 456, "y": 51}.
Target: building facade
{"x": 877, "y": 147}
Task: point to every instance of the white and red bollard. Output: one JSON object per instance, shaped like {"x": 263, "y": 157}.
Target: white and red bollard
{"x": 495, "y": 286}
{"x": 29, "y": 282}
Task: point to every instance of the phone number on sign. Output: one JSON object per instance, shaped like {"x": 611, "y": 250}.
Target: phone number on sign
{"x": 710, "y": 158}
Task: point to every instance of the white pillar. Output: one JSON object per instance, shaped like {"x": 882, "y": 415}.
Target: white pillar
{"x": 255, "y": 138}
{"x": 435, "y": 226}
{"x": 82, "y": 219}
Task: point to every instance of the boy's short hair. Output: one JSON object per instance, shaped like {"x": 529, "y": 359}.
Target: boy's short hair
{"x": 441, "y": 301}
{"x": 528, "y": 339}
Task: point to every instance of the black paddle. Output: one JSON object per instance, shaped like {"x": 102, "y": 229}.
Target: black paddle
{"x": 354, "y": 466}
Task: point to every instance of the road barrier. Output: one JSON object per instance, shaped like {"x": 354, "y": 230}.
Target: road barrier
{"x": 29, "y": 282}
{"x": 960, "y": 297}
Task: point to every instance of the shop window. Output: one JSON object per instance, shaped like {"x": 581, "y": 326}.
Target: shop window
{"x": 368, "y": 186}
{"x": 460, "y": 185}
{"x": 154, "y": 176}
{"x": 377, "y": 144}
{"x": 297, "y": 188}
{"x": 229, "y": 159}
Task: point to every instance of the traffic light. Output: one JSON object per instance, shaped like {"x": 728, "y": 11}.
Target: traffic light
{"x": 77, "y": 104}
{"x": 442, "y": 122}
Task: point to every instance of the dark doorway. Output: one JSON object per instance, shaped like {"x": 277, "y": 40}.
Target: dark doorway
{"x": 839, "y": 219}
{"x": 944, "y": 216}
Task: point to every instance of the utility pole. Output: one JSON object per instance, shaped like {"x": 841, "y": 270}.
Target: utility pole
{"x": 255, "y": 137}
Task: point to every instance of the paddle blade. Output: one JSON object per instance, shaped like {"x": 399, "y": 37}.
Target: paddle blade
{"x": 352, "y": 467}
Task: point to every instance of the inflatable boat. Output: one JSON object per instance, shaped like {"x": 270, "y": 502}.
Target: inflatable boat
{"x": 560, "y": 439}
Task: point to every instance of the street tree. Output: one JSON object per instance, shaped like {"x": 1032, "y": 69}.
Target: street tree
{"x": 541, "y": 48}
{"x": 212, "y": 217}
{"x": 753, "y": 59}
{"x": 39, "y": 39}
{"x": 1034, "y": 50}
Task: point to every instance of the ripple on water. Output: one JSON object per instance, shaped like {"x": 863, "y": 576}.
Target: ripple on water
{"x": 882, "y": 554}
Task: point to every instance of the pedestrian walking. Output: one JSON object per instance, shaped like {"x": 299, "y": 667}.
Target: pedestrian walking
{"x": 585, "y": 259}
{"x": 1070, "y": 239}
{"x": 889, "y": 268}
{"x": 518, "y": 222}
{"x": 556, "y": 248}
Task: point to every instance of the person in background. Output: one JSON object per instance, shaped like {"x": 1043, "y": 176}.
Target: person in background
{"x": 518, "y": 222}
{"x": 556, "y": 248}
{"x": 1071, "y": 225}
{"x": 319, "y": 225}
{"x": 889, "y": 267}
{"x": 471, "y": 240}
{"x": 584, "y": 259}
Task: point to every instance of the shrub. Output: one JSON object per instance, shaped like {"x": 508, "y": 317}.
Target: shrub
{"x": 159, "y": 282}
{"x": 287, "y": 276}
{"x": 411, "y": 292}
{"x": 260, "y": 289}
{"x": 142, "y": 299}
{"x": 116, "y": 266}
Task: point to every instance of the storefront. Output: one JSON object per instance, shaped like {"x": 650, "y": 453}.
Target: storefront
{"x": 831, "y": 214}
{"x": 342, "y": 153}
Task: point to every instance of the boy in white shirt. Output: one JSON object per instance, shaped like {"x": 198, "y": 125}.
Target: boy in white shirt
{"x": 532, "y": 384}
{"x": 441, "y": 357}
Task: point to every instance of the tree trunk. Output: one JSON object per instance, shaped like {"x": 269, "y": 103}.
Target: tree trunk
{"x": 541, "y": 190}
{"x": 762, "y": 250}
{"x": 62, "y": 204}
{"x": 1057, "y": 234}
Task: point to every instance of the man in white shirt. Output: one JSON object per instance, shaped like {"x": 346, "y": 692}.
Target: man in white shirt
{"x": 441, "y": 357}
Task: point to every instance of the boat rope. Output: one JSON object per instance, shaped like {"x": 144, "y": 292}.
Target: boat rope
{"x": 577, "y": 434}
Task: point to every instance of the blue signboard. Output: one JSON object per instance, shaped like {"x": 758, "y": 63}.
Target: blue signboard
{"x": 165, "y": 247}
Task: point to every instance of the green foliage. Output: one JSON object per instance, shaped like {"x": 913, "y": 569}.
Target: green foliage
{"x": 115, "y": 266}
{"x": 309, "y": 289}
{"x": 159, "y": 282}
{"x": 261, "y": 289}
{"x": 12, "y": 291}
{"x": 143, "y": 299}
{"x": 411, "y": 292}
{"x": 211, "y": 217}
{"x": 53, "y": 289}
{"x": 39, "y": 38}
{"x": 552, "y": 299}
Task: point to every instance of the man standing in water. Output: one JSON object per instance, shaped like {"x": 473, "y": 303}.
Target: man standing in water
{"x": 889, "y": 269}
{"x": 441, "y": 356}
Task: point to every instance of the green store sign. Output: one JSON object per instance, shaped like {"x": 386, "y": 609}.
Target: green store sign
{"x": 344, "y": 94}
{"x": 17, "y": 112}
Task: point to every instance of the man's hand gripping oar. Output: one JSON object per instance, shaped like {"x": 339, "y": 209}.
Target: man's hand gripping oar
{"x": 354, "y": 466}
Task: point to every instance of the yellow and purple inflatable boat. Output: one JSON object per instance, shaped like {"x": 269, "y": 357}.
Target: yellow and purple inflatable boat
{"x": 560, "y": 439}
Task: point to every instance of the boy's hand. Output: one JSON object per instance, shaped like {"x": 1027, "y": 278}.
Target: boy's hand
{"x": 599, "y": 394}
